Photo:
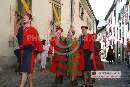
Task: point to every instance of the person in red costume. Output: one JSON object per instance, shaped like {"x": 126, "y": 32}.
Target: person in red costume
{"x": 110, "y": 55}
{"x": 30, "y": 43}
{"x": 73, "y": 57}
{"x": 97, "y": 63}
{"x": 86, "y": 53}
{"x": 59, "y": 60}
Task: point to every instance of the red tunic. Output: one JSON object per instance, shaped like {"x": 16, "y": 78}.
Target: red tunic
{"x": 97, "y": 63}
{"x": 88, "y": 43}
{"x": 110, "y": 55}
{"x": 30, "y": 44}
{"x": 58, "y": 65}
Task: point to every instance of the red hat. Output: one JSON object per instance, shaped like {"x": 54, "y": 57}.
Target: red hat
{"x": 84, "y": 27}
{"x": 29, "y": 15}
{"x": 59, "y": 28}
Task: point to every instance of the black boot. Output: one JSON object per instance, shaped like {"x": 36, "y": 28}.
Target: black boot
{"x": 60, "y": 80}
{"x": 55, "y": 83}
{"x": 71, "y": 84}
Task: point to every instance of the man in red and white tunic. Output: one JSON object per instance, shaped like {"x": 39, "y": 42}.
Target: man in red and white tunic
{"x": 86, "y": 53}
{"x": 29, "y": 45}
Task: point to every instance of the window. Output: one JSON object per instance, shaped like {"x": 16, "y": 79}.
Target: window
{"x": 120, "y": 24}
{"x": 119, "y": 16}
{"x": 114, "y": 12}
{"x": 109, "y": 21}
{"x": 129, "y": 10}
{"x": 11, "y": 41}
{"x": 128, "y": 26}
{"x": 110, "y": 42}
{"x": 81, "y": 11}
{"x": 123, "y": 31}
{"x": 120, "y": 34}
{"x": 114, "y": 31}
{"x": 126, "y": 15}
{"x": 80, "y": 7}
{"x": 122, "y": 21}
{"x": 110, "y": 31}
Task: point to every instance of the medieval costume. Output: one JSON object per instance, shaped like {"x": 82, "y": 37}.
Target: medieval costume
{"x": 86, "y": 49}
{"x": 73, "y": 57}
{"x": 110, "y": 55}
{"x": 97, "y": 63}
{"x": 86, "y": 55}
{"x": 44, "y": 55}
{"x": 59, "y": 59}
{"x": 30, "y": 44}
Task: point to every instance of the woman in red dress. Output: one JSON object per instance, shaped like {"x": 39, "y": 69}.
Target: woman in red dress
{"x": 110, "y": 55}
{"x": 30, "y": 43}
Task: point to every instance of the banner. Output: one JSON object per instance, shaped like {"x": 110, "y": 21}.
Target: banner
{"x": 26, "y": 6}
{"x": 23, "y": 6}
{"x": 56, "y": 14}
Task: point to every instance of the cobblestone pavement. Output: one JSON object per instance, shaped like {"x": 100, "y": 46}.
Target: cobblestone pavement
{"x": 121, "y": 82}
{"x": 8, "y": 78}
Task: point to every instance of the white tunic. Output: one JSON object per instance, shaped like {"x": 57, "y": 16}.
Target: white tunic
{"x": 44, "y": 56}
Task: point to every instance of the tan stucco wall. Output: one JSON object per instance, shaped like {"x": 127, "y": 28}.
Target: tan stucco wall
{"x": 5, "y": 27}
{"x": 65, "y": 16}
{"x": 42, "y": 13}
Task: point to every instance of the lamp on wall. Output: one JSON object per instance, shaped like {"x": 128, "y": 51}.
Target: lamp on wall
{"x": 11, "y": 41}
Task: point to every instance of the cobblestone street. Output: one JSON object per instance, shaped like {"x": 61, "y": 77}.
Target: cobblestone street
{"x": 122, "y": 82}
{"x": 8, "y": 78}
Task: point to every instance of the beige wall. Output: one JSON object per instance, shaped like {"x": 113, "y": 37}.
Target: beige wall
{"x": 65, "y": 16}
{"x": 77, "y": 21}
{"x": 42, "y": 13}
{"x": 5, "y": 27}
